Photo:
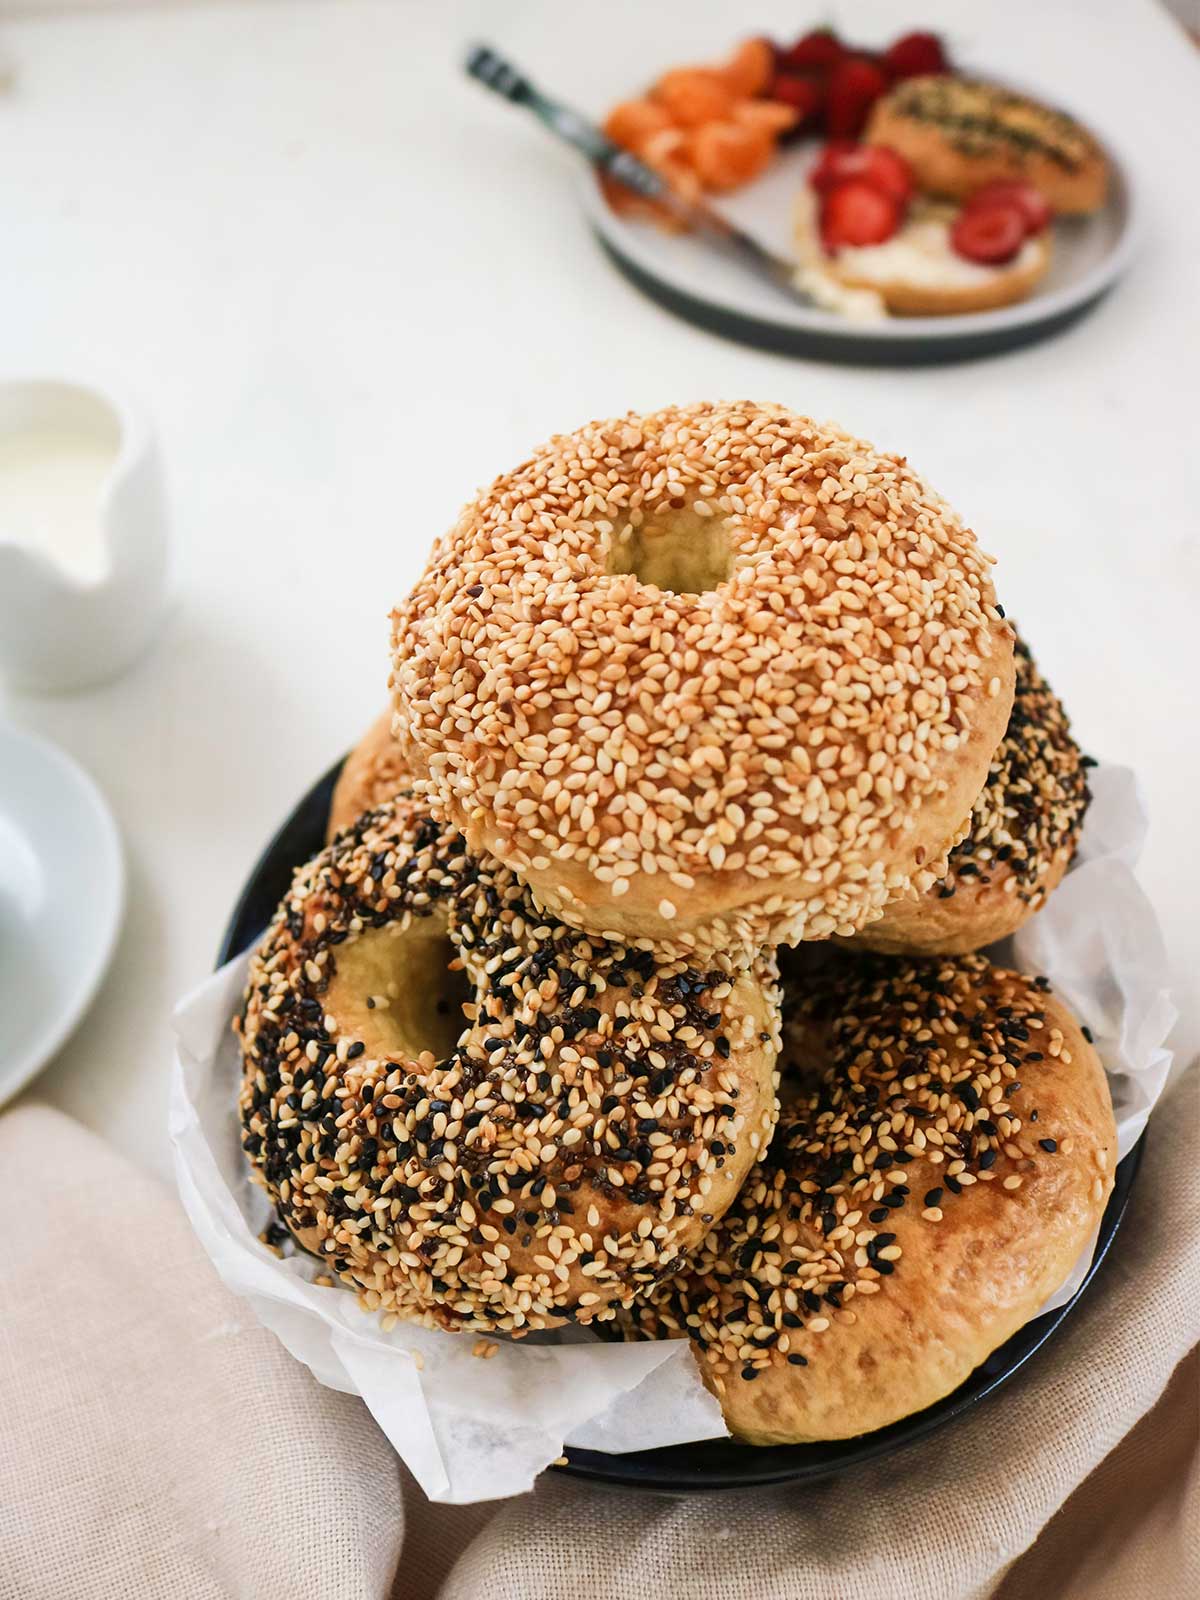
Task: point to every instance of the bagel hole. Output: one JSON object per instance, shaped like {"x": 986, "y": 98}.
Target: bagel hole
{"x": 425, "y": 1013}
{"x": 680, "y": 552}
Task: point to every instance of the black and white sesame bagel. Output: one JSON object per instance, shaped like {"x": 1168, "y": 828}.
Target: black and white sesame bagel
{"x": 1024, "y": 831}
{"x": 948, "y": 1152}
{"x": 544, "y": 1159}
{"x": 373, "y": 774}
{"x": 958, "y": 134}
{"x": 710, "y": 678}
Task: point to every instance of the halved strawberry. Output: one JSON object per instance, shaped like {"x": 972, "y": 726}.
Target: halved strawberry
{"x": 990, "y": 235}
{"x": 826, "y": 170}
{"x": 1032, "y": 204}
{"x": 877, "y": 164}
{"x": 805, "y": 95}
{"x": 856, "y": 213}
{"x": 854, "y": 86}
{"x": 914, "y": 55}
{"x": 818, "y": 51}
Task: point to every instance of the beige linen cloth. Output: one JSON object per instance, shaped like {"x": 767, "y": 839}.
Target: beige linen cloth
{"x": 155, "y": 1442}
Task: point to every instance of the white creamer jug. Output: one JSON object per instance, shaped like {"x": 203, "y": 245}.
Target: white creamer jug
{"x": 83, "y": 534}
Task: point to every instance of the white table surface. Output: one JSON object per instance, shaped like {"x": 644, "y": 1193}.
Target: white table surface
{"x": 350, "y": 287}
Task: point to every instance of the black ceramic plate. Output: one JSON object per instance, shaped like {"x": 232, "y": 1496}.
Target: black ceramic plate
{"x": 713, "y": 1463}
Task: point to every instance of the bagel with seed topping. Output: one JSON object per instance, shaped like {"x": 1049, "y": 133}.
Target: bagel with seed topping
{"x": 1024, "y": 831}
{"x": 947, "y": 1152}
{"x": 479, "y": 1117}
{"x": 958, "y": 134}
{"x": 708, "y": 679}
{"x": 373, "y": 774}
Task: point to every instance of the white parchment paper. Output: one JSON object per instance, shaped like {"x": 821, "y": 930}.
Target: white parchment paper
{"x": 470, "y": 1429}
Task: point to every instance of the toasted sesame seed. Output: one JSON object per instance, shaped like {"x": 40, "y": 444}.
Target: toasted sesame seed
{"x": 593, "y": 693}
{"x": 906, "y": 1046}
{"x": 504, "y": 1179}
{"x": 1024, "y": 827}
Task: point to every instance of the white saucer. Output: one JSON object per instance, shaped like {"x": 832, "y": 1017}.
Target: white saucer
{"x": 62, "y": 892}
{"x": 1090, "y": 253}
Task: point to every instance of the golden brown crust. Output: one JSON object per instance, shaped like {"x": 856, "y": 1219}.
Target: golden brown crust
{"x": 958, "y": 135}
{"x": 708, "y": 678}
{"x": 927, "y": 925}
{"x": 1023, "y": 833}
{"x": 374, "y": 773}
{"x": 1003, "y": 287}
{"x": 583, "y": 1127}
{"x": 850, "y": 1285}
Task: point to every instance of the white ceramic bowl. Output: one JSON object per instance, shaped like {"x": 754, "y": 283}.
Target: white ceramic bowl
{"x": 62, "y": 892}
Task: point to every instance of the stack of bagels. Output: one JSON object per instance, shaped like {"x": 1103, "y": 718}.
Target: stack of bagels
{"x": 638, "y": 984}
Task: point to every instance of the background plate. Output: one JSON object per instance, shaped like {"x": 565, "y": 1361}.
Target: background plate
{"x": 62, "y": 894}
{"x": 713, "y": 1463}
{"x": 697, "y": 283}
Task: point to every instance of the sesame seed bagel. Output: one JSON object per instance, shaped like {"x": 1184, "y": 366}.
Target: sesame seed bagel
{"x": 958, "y": 135}
{"x": 373, "y": 773}
{"x": 948, "y": 1154}
{"x": 918, "y": 272}
{"x": 584, "y": 1128}
{"x": 984, "y": 289}
{"x": 1024, "y": 831}
{"x": 707, "y": 679}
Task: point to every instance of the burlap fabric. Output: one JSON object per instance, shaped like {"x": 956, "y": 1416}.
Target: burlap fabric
{"x": 155, "y": 1442}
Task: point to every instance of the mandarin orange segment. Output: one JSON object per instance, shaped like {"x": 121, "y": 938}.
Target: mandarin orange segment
{"x": 771, "y": 117}
{"x": 628, "y": 204}
{"x": 694, "y": 95}
{"x": 727, "y": 154}
{"x": 704, "y": 127}
{"x": 633, "y": 122}
{"x": 750, "y": 68}
{"x": 663, "y": 148}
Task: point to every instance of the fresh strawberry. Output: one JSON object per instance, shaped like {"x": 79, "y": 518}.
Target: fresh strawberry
{"x": 990, "y": 235}
{"x": 817, "y": 51}
{"x": 805, "y": 95}
{"x": 854, "y": 86}
{"x": 876, "y": 164}
{"x": 855, "y": 212}
{"x": 827, "y": 169}
{"x": 914, "y": 55}
{"x": 1032, "y": 204}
